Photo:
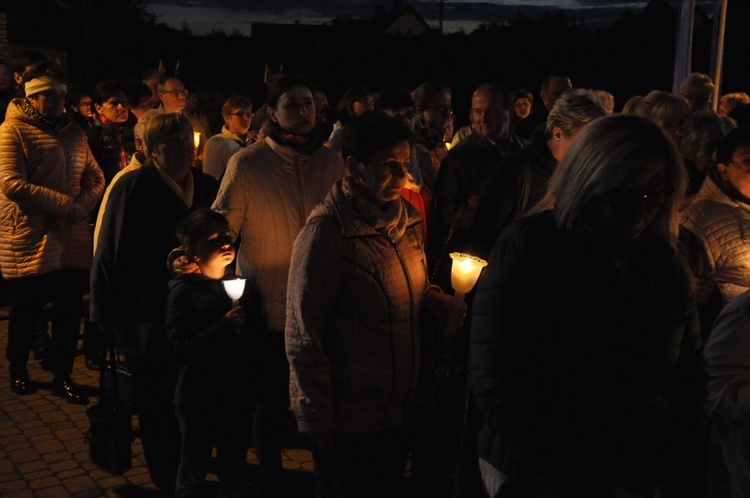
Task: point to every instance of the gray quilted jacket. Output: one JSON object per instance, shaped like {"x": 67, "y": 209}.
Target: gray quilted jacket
{"x": 352, "y": 333}
{"x": 720, "y": 241}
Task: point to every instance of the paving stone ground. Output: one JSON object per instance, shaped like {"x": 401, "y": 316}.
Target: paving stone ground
{"x": 44, "y": 454}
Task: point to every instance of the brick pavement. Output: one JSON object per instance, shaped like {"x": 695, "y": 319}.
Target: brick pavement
{"x": 43, "y": 453}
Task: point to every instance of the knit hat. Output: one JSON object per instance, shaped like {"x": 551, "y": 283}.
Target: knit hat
{"x": 42, "y": 84}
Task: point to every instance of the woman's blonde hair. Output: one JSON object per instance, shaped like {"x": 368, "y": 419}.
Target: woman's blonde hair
{"x": 612, "y": 154}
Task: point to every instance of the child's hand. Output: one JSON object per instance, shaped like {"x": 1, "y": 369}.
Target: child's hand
{"x": 236, "y": 317}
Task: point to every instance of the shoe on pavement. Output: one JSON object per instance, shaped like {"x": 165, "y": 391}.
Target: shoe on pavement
{"x": 22, "y": 386}
{"x": 65, "y": 388}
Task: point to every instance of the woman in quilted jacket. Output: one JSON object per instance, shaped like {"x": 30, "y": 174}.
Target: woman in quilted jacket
{"x": 49, "y": 183}
{"x": 357, "y": 287}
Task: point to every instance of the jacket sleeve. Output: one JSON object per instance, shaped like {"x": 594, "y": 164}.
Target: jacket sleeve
{"x": 92, "y": 182}
{"x": 728, "y": 357}
{"x": 107, "y": 269}
{"x": 314, "y": 283}
{"x": 231, "y": 199}
{"x": 215, "y": 157}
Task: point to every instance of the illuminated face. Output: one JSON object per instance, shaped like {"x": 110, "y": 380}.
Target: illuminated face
{"x": 488, "y": 117}
{"x": 364, "y": 104}
{"x": 295, "y": 111}
{"x": 384, "y": 175}
{"x": 217, "y": 251}
{"x": 174, "y": 96}
{"x": 321, "y": 102}
{"x": 239, "y": 120}
{"x": 115, "y": 109}
{"x": 83, "y": 106}
{"x": 737, "y": 172}
{"x": 523, "y": 107}
{"x": 439, "y": 113}
{"x": 697, "y": 97}
{"x": 175, "y": 151}
{"x": 672, "y": 128}
{"x": 49, "y": 102}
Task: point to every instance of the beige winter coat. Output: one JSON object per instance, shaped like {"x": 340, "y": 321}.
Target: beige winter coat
{"x": 49, "y": 184}
{"x": 267, "y": 193}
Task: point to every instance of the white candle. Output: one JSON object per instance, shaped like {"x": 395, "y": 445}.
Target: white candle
{"x": 234, "y": 288}
{"x": 465, "y": 271}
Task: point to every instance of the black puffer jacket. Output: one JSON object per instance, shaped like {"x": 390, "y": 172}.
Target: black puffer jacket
{"x": 112, "y": 145}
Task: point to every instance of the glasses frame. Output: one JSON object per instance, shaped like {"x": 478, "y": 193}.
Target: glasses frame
{"x": 175, "y": 92}
{"x": 242, "y": 114}
{"x": 444, "y": 109}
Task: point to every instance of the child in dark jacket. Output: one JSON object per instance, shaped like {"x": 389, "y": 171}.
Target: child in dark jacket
{"x": 211, "y": 338}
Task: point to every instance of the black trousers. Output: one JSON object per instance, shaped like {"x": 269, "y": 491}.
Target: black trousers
{"x": 366, "y": 465}
{"x": 29, "y": 295}
{"x": 272, "y": 416}
{"x": 154, "y": 382}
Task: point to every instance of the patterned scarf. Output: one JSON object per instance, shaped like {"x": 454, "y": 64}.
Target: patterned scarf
{"x": 390, "y": 221}
{"x": 55, "y": 123}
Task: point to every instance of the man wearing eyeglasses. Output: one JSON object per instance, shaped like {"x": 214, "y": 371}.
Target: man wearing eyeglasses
{"x": 172, "y": 94}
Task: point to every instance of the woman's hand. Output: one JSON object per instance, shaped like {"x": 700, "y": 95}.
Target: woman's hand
{"x": 183, "y": 265}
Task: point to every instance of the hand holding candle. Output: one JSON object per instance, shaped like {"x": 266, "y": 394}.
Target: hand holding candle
{"x": 465, "y": 272}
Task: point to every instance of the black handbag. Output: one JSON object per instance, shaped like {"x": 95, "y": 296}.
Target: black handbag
{"x": 110, "y": 430}
{"x": 116, "y": 372}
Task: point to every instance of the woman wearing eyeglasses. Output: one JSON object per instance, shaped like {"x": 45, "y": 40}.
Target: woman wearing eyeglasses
{"x": 585, "y": 355}
{"x": 235, "y": 135}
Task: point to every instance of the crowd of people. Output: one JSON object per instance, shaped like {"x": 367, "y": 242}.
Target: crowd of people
{"x": 606, "y": 337}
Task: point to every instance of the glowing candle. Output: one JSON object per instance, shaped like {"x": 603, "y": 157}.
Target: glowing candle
{"x": 234, "y": 288}
{"x": 465, "y": 271}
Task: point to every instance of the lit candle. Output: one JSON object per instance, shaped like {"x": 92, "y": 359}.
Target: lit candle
{"x": 465, "y": 271}
{"x": 196, "y": 139}
{"x": 234, "y": 288}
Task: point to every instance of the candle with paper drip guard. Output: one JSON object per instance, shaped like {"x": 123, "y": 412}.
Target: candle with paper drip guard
{"x": 234, "y": 289}
{"x": 465, "y": 271}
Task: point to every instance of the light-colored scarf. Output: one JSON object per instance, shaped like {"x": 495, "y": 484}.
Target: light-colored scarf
{"x": 390, "y": 221}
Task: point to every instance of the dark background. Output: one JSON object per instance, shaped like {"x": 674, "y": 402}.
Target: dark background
{"x": 119, "y": 39}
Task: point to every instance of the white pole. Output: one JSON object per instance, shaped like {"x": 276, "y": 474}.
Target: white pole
{"x": 684, "y": 44}
{"x": 717, "y": 54}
